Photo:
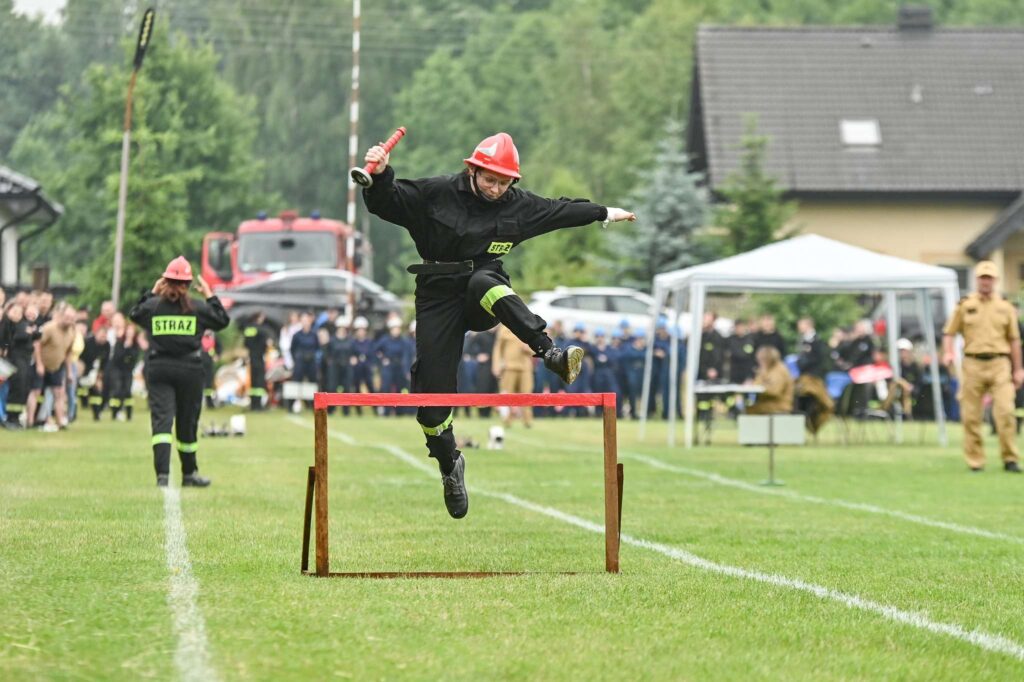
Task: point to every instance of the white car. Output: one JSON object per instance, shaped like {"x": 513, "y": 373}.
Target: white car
{"x": 597, "y": 307}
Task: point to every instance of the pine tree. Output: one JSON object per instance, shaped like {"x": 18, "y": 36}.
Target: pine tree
{"x": 754, "y": 213}
{"x": 671, "y": 206}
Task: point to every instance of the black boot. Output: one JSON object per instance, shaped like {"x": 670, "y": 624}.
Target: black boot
{"x": 564, "y": 363}
{"x": 456, "y": 499}
{"x": 194, "y": 480}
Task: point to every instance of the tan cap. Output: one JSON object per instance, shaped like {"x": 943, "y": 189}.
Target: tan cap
{"x": 986, "y": 268}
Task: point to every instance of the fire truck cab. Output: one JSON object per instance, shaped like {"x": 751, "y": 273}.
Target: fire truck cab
{"x": 265, "y": 245}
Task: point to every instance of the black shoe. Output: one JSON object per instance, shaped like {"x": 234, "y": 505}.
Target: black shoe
{"x": 565, "y": 363}
{"x": 194, "y": 481}
{"x": 13, "y": 426}
{"x": 976, "y": 470}
{"x": 161, "y": 480}
{"x": 456, "y": 499}
{"x": 1012, "y": 468}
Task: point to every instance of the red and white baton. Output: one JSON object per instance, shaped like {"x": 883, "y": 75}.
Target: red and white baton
{"x": 364, "y": 176}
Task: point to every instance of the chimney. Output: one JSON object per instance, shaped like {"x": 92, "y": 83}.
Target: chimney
{"x": 915, "y": 18}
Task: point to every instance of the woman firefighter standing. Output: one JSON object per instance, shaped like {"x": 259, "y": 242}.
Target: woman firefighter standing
{"x": 462, "y": 224}
{"x": 175, "y": 324}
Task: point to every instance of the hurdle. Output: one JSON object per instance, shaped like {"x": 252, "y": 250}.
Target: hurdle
{"x": 317, "y": 475}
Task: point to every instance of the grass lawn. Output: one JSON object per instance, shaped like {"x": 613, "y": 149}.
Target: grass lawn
{"x": 709, "y": 585}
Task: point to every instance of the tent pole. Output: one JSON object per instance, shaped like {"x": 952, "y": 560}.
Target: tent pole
{"x": 645, "y": 394}
{"x": 673, "y": 368}
{"x": 892, "y": 326}
{"x": 929, "y": 334}
{"x": 693, "y": 343}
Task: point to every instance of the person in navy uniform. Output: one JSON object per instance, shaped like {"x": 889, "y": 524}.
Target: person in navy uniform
{"x": 606, "y": 368}
{"x": 632, "y": 357}
{"x": 584, "y": 382}
{"x": 175, "y": 325}
{"x": 362, "y": 358}
{"x": 462, "y": 224}
{"x": 394, "y": 355}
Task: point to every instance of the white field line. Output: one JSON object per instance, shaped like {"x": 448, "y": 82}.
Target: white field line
{"x": 977, "y": 637}
{"x": 790, "y": 494}
{"x": 343, "y": 437}
{"x": 192, "y": 655}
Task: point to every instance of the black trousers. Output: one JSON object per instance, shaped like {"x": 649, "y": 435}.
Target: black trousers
{"x": 20, "y": 382}
{"x": 120, "y": 382}
{"x": 175, "y": 398}
{"x": 447, "y": 306}
{"x": 257, "y": 381}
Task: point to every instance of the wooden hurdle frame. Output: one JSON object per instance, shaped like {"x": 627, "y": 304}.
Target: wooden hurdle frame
{"x": 317, "y": 477}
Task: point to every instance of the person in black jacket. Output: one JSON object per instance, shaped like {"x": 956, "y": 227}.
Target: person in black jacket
{"x": 19, "y": 336}
{"x": 813, "y": 399}
{"x": 94, "y": 358}
{"x": 462, "y": 224}
{"x": 257, "y": 337}
{"x": 174, "y": 371}
{"x": 118, "y": 375}
{"x": 768, "y": 335}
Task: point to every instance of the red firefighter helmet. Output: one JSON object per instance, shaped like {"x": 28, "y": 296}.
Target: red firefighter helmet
{"x": 179, "y": 270}
{"x": 497, "y": 153}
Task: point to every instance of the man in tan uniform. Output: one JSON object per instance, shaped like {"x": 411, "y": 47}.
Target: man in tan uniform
{"x": 992, "y": 364}
{"x": 512, "y": 365}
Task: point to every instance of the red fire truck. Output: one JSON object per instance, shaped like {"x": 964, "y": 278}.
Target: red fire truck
{"x": 265, "y": 245}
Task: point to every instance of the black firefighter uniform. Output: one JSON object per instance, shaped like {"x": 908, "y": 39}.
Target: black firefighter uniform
{"x": 174, "y": 372}
{"x": 462, "y": 285}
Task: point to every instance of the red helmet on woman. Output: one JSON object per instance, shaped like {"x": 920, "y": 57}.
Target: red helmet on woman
{"x": 179, "y": 270}
{"x": 497, "y": 153}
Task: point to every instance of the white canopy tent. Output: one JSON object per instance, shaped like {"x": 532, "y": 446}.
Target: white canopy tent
{"x": 804, "y": 264}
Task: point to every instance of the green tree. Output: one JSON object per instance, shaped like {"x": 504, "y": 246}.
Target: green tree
{"x": 672, "y": 206}
{"x": 754, "y": 213}
{"x": 33, "y": 61}
{"x": 192, "y": 166}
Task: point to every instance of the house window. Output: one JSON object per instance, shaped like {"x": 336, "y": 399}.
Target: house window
{"x": 860, "y": 132}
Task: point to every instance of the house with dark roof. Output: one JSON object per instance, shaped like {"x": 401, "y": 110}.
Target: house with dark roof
{"x": 24, "y": 213}
{"x": 908, "y": 139}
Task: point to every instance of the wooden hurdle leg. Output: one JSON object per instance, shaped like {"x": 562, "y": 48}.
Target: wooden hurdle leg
{"x": 612, "y": 494}
{"x": 323, "y": 568}
{"x": 619, "y": 471}
{"x": 307, "y": 521}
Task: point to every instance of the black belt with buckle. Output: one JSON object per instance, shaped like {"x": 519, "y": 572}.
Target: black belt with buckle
{"x": 986, "y": 356}
{"x": 435, "y": 267}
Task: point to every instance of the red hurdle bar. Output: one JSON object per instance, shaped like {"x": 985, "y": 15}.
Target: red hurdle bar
{"x": 317, "y": 482}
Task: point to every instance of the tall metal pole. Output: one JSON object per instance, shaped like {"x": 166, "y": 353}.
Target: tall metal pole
{"x": 145, "y": 32}
{"x": 353, "y": 151}
{"x": 122, "y": 193}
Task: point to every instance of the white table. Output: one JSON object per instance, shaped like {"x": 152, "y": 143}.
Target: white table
{"x": 705, "y": 388}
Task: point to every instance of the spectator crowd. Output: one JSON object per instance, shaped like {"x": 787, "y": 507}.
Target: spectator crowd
{"x": 57, "y": 362}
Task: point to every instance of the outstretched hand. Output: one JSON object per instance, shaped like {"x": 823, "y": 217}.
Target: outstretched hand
{"x": 616, "y": 215}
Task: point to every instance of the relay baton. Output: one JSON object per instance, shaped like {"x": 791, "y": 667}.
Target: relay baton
{"x": 364, "y": 176}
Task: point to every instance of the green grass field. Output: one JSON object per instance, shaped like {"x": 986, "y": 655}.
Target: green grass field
{"x": 848, "y": 572}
